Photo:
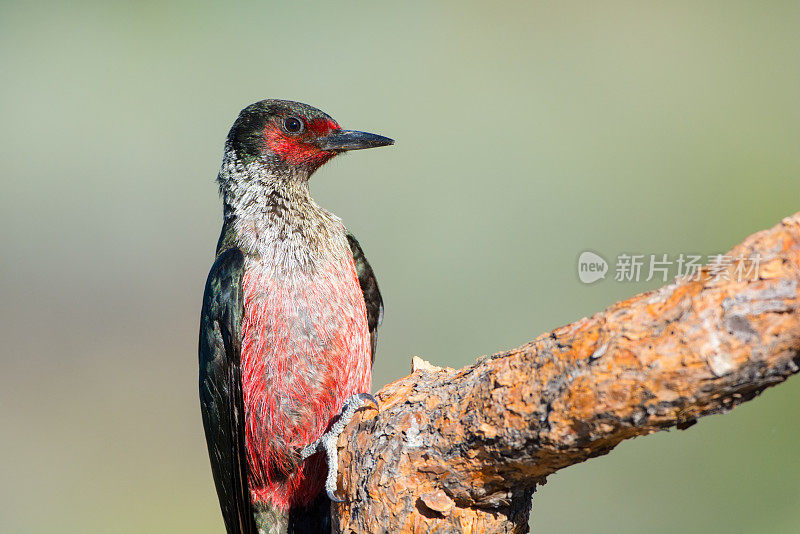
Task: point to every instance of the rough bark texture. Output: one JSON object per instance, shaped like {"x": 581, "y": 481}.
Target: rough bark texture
{"x": 463, "y": 450}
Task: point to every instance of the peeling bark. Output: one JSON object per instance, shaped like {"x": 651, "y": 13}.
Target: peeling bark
{"x": 463, "y": 450}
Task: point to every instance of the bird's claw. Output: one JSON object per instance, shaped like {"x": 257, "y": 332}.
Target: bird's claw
{"x": 364, "y": 398}
{"x": 332, "y": 495}
{"x": 327, "y": 442}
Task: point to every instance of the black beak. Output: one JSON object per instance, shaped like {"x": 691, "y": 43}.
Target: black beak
{"x": 351, "y": 140}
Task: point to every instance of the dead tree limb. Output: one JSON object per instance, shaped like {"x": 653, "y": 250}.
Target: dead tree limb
{"x": 463, "y": 450}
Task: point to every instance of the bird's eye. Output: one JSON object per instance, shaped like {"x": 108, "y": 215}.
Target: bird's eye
{"x": 293, "y": 125}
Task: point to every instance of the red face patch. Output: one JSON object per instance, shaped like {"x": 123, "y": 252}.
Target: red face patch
{"x": 322, "y": 127}
{"x": 299, "y": 149}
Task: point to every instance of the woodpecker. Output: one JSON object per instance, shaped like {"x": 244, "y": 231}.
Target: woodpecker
{"x": 288, "y": 325}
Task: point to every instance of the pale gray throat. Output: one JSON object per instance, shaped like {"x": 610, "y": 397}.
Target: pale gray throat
{"x": 275, "y": 219}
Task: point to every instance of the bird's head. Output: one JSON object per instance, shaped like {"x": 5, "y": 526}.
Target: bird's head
{"x": 291, "y": 140}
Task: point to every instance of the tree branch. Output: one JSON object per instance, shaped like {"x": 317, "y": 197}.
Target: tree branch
{"x": 463, "y": 450}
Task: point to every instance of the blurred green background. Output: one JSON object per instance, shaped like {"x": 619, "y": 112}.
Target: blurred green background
{"x": 526, "y": 133}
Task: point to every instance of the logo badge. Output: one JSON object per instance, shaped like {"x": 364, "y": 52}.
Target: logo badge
{"x": 591, "y": 267}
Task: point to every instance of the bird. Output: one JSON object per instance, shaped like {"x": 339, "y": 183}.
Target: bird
{"x": 289, "y": 323}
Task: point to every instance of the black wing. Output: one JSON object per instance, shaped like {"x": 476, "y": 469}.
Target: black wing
{"x": 221, "y": 389}
{"x": 369, "y": 287}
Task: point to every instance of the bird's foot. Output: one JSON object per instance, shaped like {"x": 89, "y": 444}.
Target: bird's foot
{"x": 327, "y": 442}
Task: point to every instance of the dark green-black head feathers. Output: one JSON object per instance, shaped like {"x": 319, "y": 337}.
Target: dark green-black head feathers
{"x": 291, "y": 136}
